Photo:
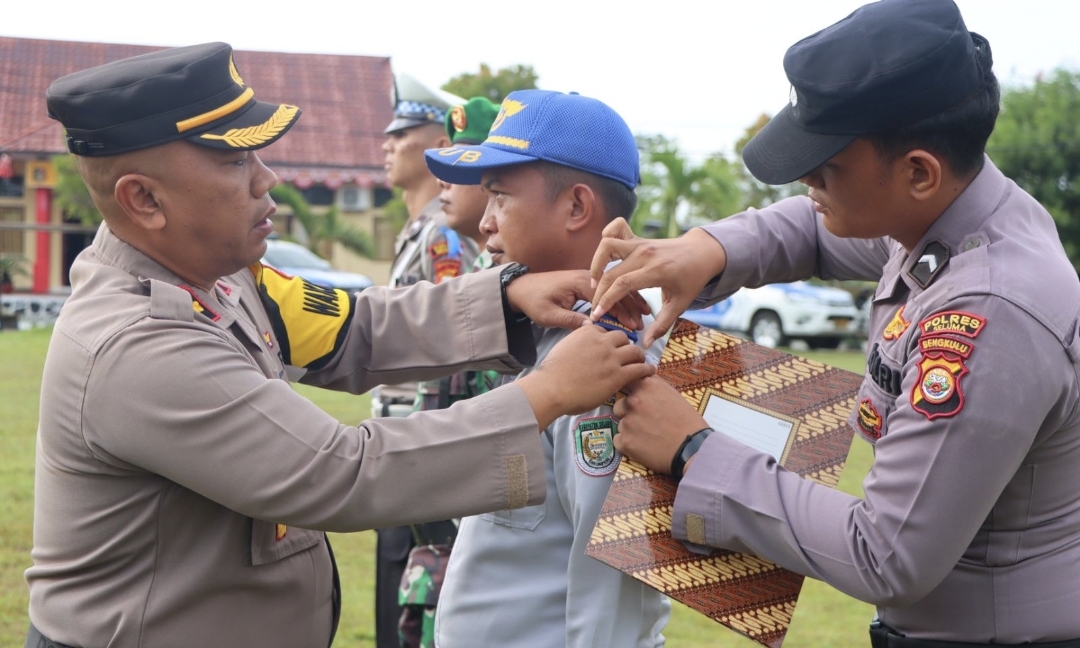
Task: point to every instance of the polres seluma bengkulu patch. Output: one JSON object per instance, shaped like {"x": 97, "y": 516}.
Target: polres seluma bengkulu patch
{"x": 594, "y": 444}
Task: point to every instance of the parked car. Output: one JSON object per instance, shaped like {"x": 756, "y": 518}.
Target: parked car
{"x": 774, "y": 315}
{"x": 298, "y": 261}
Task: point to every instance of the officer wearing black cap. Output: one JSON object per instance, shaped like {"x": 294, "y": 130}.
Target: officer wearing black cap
{"x": 182, "y": 487}
{"x": 968, "y": 532}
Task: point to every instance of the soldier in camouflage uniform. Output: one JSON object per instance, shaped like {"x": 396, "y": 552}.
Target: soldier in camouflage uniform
{"x": 425, "y": 250}
{"x": 463, "y": 206}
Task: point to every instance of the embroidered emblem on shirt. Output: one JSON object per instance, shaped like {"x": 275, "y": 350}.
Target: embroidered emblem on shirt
{"x": 269, "y": 341}
{"x": 869, "y": 419}
{"x": 594, "y": 442}
{"x": 446, "y": 268}
{"x": 882, "y": 374}
{"x": 199, "y": 306}
{"x": 279, "y": 532}
{"x": 896, "y": 326}
{"x": 957, "y": 322}
{"x": 938, "y": 393}
{"x": 608, "y": 321}
{"x": 932, "y": 260}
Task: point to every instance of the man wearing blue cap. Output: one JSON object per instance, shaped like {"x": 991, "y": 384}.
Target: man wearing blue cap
{"x": 968, "y": 532}
{"x": 557, "y": 169}
{"x": 182, "y": 487}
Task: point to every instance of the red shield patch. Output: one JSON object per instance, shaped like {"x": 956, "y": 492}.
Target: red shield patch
{"x": 937, "y": 393}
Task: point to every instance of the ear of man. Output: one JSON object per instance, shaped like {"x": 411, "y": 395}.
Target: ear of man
{"x": 583, "y": 207}
{"x": 136, "y": 195}
{"x": 924, "y": 173}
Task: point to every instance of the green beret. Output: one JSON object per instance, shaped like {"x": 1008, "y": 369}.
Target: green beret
{"x": 470, "y": 123}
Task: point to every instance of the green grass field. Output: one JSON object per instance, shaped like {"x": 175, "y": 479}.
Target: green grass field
{"x": 823, "y": 618}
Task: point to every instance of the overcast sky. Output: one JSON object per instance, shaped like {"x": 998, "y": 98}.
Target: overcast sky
{"x": 699, "y": 71}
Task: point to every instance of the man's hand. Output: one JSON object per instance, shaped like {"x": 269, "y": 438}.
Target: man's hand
{"x": 582, "y": 371}
{"x": 680, "y": 267}
{"x": 548, "y": 299}
{"x": 654, "y": 419}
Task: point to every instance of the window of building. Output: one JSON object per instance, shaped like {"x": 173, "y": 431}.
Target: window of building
{"x": 11, "y": 187}
{"x": 11, "y": 238}
{"x": 318, "y": 195}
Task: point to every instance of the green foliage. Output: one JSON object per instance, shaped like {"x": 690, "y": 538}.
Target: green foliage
{"x": 323, "y": 229}
{"x": 1037, "y": 144}
{"x": 71, "y": 194}
{"x": 493, "y": 85}
{"x": 11, "y": 266}
{"x": 675, "y": 195}
{"x": 396, "y": 211}
{"x": 757, "y": 193}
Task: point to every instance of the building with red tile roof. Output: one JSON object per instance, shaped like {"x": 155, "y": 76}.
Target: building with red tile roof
{"x": 334, "y": 151}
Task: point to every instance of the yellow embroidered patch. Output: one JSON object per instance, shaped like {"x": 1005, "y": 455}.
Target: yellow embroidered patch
{"x": 507, "y": 141}
{"x": 234, "y": 73}
{"x": 896, "y": 326}
{"x": 309, "y": 321}
{"x": 260, "y": 134}
{"x": 509, "y": 108}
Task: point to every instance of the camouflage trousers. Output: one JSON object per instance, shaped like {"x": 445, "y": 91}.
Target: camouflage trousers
{"x": 420, "y": 586}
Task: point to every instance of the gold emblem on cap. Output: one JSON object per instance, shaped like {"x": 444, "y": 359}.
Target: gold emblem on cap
{"x": 509, "y": 108}
{"x": 259, "y": 134}
{"x": 459, "y": 119}
{"x": 233, "y": 72}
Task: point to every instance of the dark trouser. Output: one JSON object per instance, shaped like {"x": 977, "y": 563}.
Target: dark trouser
{"x": 882, "y": 636}
{"x": 391, "y": 556}
{"x": 34, "y": 639}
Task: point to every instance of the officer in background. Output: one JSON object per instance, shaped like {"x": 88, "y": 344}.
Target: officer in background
{"x": 425, "y": 250}
{"x": 968, "y": 532}
{"x": 425, "y": 569}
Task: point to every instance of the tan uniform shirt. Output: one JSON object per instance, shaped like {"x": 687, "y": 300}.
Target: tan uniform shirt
{"x": 178, "y": 473}
{"x": 422, "y": 253}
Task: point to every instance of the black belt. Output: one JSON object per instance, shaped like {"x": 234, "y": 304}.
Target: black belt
{"x": 882, "y": 636}
{"x": 34, "y": 639}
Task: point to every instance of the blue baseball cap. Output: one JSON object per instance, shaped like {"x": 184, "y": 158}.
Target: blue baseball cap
{"x": 566, "y": 129}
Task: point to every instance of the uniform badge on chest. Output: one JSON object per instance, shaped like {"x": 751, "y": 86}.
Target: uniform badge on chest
{"x": 594, "y": 445}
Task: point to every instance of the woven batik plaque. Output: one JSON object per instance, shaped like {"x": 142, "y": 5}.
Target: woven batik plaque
{"x": 793, "y": 408}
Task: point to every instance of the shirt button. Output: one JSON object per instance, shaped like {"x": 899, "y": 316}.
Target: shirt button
{"x": 971, "y": 245}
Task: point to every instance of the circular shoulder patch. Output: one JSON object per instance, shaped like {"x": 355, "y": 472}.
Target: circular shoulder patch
{"x": 594, "y": 445}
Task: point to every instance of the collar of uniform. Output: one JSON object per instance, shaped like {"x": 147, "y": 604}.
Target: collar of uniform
{"x": 113, "y": 251}
{"x": 963, "y": 218}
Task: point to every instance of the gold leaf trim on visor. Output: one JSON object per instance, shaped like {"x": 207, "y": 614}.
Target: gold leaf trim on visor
{"x": 259, "y": 134}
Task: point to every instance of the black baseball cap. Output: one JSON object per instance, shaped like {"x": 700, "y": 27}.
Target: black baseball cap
{"x": 888, "y": 65}
{"x": 194, "y": 93}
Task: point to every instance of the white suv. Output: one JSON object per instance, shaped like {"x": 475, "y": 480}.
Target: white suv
{"x": 774, "y": 315}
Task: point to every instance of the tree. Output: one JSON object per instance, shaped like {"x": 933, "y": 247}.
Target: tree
{"x": 756, "y": 192}
{"x": 675, "y": 195}
{"x": 323, "y": 229}
{"x": 495, "y": 86}
{"x": 1037, "y": 143}
{"x": 70, "y": 192}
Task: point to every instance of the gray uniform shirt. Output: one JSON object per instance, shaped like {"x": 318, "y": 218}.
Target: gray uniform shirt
{"x": 969, "y": 529}
{"x": 521, "y": 578}
{"x": 179, "y": 477}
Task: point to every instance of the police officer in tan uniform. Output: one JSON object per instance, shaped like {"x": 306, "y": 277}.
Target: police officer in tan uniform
{"x": 182, "y": 487}
{"x": 968, "y": 531}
